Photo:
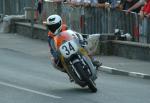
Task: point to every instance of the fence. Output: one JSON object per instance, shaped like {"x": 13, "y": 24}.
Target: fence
{"x": 1, "y": 6}
{"x": 89, "y": 20}
{"x": 13, "y": 7}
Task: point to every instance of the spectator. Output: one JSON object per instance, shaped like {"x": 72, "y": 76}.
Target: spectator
{"x": 40, "y": 6}
{"x": 145, "y": 11}
{"x": 114, "y": 3}
{"x": 85, "y": 3}
{"x": 136, "y": 5}
{"x": 126, "y": 4}
{"x": 39, "y": 10}
{"x": 103, "y": 3}
{"x": 76, "y": 2}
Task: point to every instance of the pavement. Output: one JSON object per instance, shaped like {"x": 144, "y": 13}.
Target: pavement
{"x": 124, "y": 66}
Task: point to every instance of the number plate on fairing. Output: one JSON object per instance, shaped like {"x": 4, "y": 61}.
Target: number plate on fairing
{"x": 68, "y": 48}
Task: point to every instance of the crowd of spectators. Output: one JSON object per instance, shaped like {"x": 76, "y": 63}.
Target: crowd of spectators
{"x": 141, "y": 7}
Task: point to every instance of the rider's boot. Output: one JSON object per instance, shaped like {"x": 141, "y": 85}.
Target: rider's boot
{"x": 96, "y": 63}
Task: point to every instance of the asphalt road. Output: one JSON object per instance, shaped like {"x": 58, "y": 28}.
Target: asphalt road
{"x": 26, "y": 76}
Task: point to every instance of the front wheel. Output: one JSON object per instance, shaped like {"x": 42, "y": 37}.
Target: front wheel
{"x": 92, "y": 85}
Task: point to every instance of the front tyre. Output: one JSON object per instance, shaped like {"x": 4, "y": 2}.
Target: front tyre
{"x": 91, "y": 84}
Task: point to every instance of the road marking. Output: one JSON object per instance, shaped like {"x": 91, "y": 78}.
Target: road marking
{"x": 135, "y": 74}
{"x": 109, "y": 67}
{"x": 29, "y": 90}
{"x": 132, "y": 74}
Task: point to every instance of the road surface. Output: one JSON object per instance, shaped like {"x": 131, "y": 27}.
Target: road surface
{"x": 27, "y": 76}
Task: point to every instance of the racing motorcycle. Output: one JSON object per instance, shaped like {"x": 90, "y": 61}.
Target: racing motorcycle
{"x": 75, "y": 60}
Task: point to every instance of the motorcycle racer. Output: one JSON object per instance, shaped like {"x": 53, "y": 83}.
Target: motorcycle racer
{"x": 56, "y": 26}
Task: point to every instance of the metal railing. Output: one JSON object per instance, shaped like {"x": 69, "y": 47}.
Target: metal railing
{"x": 14, "y": 7}
{"x": 89, "y": 20}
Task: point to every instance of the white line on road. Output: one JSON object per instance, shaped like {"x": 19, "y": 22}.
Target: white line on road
{"x": 132, "y": 74}
{"x": 135, "y": 74}
{"x": 29, "y": 90}
{"x": 110, "y": 68}
{"x": 107, "y": 69}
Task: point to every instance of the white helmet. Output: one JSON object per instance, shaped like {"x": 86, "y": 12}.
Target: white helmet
{"x": 54, "y": 23}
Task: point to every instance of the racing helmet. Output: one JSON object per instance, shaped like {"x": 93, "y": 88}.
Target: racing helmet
{"x": 54, "y": 23}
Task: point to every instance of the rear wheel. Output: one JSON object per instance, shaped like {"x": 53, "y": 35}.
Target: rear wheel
{"x": 91, "y": 84}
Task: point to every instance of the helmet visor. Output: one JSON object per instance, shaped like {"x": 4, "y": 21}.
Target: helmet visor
{"x": 54, "y": 27}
